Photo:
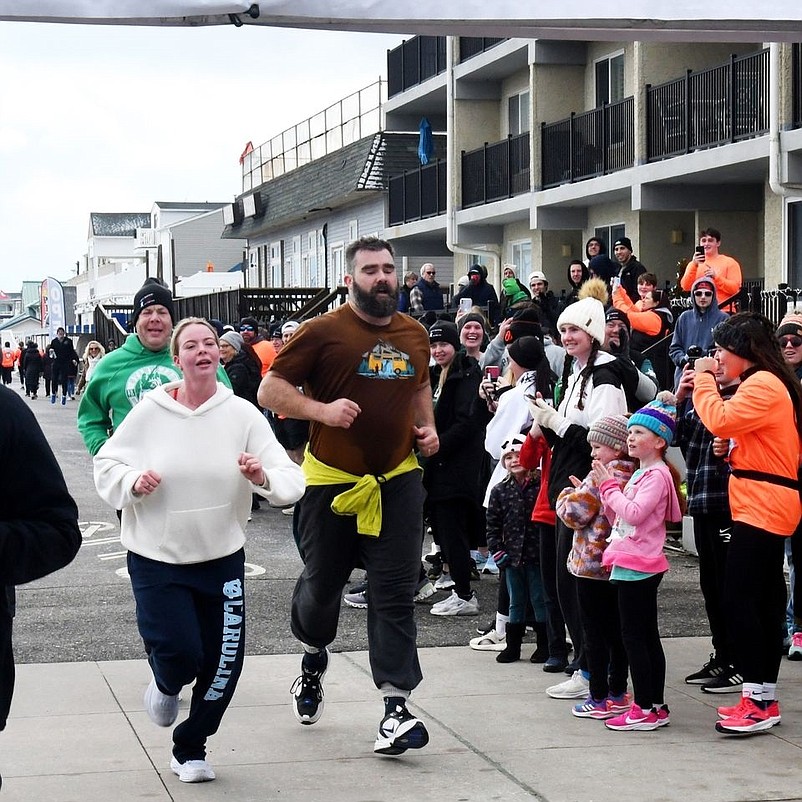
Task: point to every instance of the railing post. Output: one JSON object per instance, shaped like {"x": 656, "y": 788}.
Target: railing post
{"x": 731, "y": 96}
{"x": 484, "y": 173}
{"x": 605, "y": 137}
{"x": 687, "y": 107}
{"x": 571, "y": 147}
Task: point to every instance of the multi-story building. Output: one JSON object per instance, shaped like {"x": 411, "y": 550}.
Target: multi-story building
{"x": 310, "y": 190}
{"x": 552, "y": 142}
{"x": 174, "y": 241}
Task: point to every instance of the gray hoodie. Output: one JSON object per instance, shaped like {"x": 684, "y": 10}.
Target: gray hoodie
{"x": 695, "y": 327}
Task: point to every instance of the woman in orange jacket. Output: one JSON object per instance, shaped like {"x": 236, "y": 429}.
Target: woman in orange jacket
{"x": 759, "y": 421}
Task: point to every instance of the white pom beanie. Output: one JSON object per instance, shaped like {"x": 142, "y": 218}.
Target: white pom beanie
{"x": 586, "y": 314}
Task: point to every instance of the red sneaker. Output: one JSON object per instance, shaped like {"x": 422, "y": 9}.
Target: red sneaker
{"x": 733, "y": 711}
{"x": 753, "y": 718}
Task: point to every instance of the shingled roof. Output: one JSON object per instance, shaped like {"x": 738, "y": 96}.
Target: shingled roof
{"x": 332, "y": 181}
{"x": 118, "y": 224}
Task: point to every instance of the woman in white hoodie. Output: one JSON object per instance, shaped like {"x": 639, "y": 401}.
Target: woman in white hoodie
{"x": 182, "y": 467}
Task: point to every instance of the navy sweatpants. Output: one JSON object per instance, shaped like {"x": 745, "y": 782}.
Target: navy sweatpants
{"x": 192, "y": 621}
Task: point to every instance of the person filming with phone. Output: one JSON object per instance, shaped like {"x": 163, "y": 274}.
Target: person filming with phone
{"x": 723, "y": 270}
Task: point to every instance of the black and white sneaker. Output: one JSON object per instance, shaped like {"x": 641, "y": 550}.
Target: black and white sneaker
{"x": 728, "y": 681}
{"x": 307, "y": 693}
{"x": 709, "y": 671}
{"x": 399, "y": 730}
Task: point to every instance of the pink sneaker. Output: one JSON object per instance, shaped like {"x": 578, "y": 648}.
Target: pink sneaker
{"x": 633, "y": 719}
{"x": 619, "y": 704}
{"x": 663, "y": 715}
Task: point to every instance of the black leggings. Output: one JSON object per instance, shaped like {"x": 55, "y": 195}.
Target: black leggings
{"x": 555, "y": 623}
{"x": 756, "y": 597}
{"x": 637, "y": 606}
{"x": 604, "y": 646}
{"x": 567, "y": 592}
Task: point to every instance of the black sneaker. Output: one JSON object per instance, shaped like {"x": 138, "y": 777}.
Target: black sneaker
{"x": 399, "y": 731}
{"x": 307, "y": 693}
{"x": 728, "y": 681}
{"x": 475, "y": 575}
{"x": 709, "y": 671}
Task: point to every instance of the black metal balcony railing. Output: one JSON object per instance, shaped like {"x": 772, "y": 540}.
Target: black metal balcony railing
{"x": 470, "y": 46}
{"x": 590, "y": 144}
{"x": 495, "y": 172}
{"x": 414, "y": 61}
{"x": 724, "y": 104}
{"x": 418, "y": 194}
{"x": 796, "y": 84}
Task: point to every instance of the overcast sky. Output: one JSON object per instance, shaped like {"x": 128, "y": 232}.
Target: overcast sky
{"x": 110, "y": 119}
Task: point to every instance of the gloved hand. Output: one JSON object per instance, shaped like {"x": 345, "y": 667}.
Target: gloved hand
{"x": 501, "y": 558}
{"x": 622, "y": 349}
{"x": 544, "y": 415}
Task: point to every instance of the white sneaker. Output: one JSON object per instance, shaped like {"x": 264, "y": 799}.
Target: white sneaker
{"x": 454, "y": 605}
{"x": 162, "y": 709}
{"x": 288, "y": 510}
{"x": 424, "y": 591}
{"x": 491, "y": 642}
{"x": 575, "y": 688}
{"x": 444, "y": 581}
{"x": 192, "y": 771}
{"x": 490, "y": 566}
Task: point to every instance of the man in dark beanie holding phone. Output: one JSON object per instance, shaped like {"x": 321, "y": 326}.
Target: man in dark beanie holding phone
{"x": 142, "y": 363}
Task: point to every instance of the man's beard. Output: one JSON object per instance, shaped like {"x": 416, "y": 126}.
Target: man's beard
{"x": 371, "y": 303}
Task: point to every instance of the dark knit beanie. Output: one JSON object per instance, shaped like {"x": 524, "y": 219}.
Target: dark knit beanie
{"x": 527, "y": 352}
{"x": 471, "y": 317}
{"x": 524, "y": 323}
{"x": 152, "y": 292}
{"x": 443, "y": 331}
{"x": 745, "y": 333}
{"x": 616, "y": 314}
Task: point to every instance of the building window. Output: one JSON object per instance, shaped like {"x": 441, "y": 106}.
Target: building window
{"x": 353, "y": 230}
{"x": 610, "y": 79}
{"x": 609, "y": 234}
{"x": 275, "y": 264}
{"x": 338, "y": 264}
{"x": 518, "y": 113}
{"x": 521, "y": 257}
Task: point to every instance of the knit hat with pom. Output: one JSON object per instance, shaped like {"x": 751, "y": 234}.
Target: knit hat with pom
{"x": 659, "y": 416}
{"x": 790, "y": 324}
{"x": 588, "y": 315}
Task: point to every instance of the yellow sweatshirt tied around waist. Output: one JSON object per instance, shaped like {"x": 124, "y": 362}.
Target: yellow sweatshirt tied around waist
{"x": 364, "y": 499}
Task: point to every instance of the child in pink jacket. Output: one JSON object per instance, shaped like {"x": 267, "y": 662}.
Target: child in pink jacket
{"x": 635, "y": 555}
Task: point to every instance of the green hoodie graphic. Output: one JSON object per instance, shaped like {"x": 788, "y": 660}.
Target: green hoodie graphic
{"x": 118, "y": 383}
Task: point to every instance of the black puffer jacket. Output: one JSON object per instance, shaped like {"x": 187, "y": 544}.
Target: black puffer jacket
{"x": 245, "y": 376}
{"x": 38, "y": 533}
{"x": 456, "y": 470}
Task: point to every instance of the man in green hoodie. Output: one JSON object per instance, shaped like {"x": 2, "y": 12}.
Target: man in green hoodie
{"x": 143, "y": 362}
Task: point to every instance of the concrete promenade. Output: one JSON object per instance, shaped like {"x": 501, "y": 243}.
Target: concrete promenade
{"x": 78, "y": 732}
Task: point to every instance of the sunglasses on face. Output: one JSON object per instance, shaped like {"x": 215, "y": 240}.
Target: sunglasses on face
{"x": 429, "y": 273}
{"x": 791, "y": 340}
{"x": 703, "y": 294}
{"x": 246, "y": 328}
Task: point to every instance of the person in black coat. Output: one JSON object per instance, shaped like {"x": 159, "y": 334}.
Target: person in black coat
{"x": 38, "y": 533}
{"x": 453, "y": 476}
{"x": 242, "y": 366}
{"x": 65, "y": 359}
{"x": 32, "y": 365}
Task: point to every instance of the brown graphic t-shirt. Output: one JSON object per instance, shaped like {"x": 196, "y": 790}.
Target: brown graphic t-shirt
{"x": 381, "y": 368}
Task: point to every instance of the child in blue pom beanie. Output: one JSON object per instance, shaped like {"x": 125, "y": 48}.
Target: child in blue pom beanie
{"x": 635, "y": 554}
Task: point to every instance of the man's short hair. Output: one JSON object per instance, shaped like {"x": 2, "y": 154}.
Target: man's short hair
{"x": 711, "y": 232}
{"x": 364, "y": 244}
{"x": 647, "y": 278}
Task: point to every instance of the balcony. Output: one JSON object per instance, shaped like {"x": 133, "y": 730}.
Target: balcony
{"x": 712, "y": 107}
{"x": 470, "y": 46}
{"x": 414, "y": 61}
{"x": 588, "y": 145}
{"x": 418, "y": 194}
{"x": 496, "y": 172}
{"x": 796, "y": 84}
